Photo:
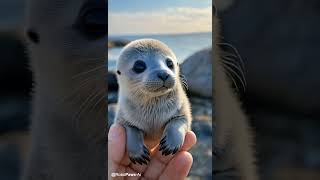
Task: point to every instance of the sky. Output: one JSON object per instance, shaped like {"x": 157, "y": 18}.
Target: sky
{"x": 159, "y": 16}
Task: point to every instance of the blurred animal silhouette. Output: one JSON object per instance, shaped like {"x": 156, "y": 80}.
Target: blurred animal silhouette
{"x": 67, "y": 42}
{"x": 234, "y": 154}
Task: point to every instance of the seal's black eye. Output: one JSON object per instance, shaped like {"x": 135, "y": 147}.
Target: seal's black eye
{"x": 33, "y": 36}
{"x": 139, "y": 66}
{"x": 93, "y": 20}
{"x": 169, "y": 63}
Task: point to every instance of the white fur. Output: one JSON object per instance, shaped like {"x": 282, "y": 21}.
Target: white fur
{"x": 149, "y": 111}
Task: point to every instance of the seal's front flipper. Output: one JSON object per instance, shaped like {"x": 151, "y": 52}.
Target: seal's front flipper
{"x": 173, "y": 136}
{"x": 137, "y": 151}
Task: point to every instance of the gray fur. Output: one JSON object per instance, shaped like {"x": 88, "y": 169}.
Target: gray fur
{"x": 156, "y": 113}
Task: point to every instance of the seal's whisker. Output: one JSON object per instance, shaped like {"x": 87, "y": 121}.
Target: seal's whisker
{"x": 232, "y": 72}
{"x": 102, "y": 95}
{"x": 184, "y": 81}
{"x": 89, "y": 71}
{"x": 228, "y": 63}
{"x": 235, "y": 51}
{"x": 82, "y": 84}
{"x": 77, "y": 115}
{"x": 233, "y": 60}
{"x": 228, "y": 54}
{"x": 232, "y": 79}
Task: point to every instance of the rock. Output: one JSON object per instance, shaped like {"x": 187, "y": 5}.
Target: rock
{"x": 111, "y": 114}
{"x": 202, "y": 127}
{"x": 198, "y": 71}
{"x": 202, "y": 159}
{"x": 117, "y": 43}
{"x": 10, "y": 162}
{"x": 112, "y": 97}
{"x": 14, "y": 114}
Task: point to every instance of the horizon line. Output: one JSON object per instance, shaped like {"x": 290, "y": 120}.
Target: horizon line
{"x": 152, "y": 34}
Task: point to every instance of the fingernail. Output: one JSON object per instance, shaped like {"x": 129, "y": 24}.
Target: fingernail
{"x": 114, "y": 133}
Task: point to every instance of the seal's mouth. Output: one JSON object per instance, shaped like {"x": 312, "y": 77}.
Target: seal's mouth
{"x": 163, "y": 87}
{"x": 160, "y": 89}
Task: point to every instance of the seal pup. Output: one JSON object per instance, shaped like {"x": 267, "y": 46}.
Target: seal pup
{"x": 233, "y": 146}
{"x": 153, "y": 106}
{"x": 67, "y": 42}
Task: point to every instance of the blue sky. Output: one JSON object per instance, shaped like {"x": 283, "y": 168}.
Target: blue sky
{"x": 159, "y": 16}
{"x": 141, "y": 5}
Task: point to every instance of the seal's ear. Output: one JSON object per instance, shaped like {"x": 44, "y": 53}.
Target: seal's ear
{"x": 118, "y": 72}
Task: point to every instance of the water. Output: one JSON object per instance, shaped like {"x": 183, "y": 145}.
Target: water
{"x": 183, "y": 45}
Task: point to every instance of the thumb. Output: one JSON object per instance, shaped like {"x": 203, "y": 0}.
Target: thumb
{"x": 116, "y": 146}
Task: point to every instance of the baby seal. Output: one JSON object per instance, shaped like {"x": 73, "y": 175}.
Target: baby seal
{"x": 153, "y": 106}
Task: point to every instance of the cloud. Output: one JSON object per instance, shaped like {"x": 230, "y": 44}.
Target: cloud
{"x": 170, "y": 20}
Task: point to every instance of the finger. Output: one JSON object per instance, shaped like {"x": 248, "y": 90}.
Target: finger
{"x": 116, "y": 147}
{"x": 159, "y": 162}
{"x": 178, "y": 168}
{"x": 131, "y": 171}
{"x": 190, "y": 140}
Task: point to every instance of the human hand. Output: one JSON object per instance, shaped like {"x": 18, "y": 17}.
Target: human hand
{"x": 160, "y": 167}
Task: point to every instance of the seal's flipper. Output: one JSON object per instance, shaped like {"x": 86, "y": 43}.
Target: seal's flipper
{"x": 173, "y": 136}
{"x": 137, "y": 150}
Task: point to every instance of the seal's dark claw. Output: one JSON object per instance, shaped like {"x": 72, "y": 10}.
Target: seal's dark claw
{"x": 145, "y": 161}
{"x": 163, "y": 140}
{"x": 171, "y": 143}
{"x": 162, "y": 147}
{"x": 146, "y": 157}
{"x": 175, "y": 150}
{"x": 132, "y": 160}
{"x": 139, "y": 161}
{"x": 145, "y": 150}
{"x": 165, "y": 151}
{"x": 140, "y": 155}
{"x": 169, "y": 152}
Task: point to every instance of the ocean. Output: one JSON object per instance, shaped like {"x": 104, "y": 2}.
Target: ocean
{"x": 183, "y": 45}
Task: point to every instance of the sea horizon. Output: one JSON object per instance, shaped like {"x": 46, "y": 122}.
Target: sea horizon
{"x": 183, "y": 45}
{"x": 112, "y": 36}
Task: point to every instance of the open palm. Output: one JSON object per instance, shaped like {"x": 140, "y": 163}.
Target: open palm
{"x": 160, "y": 167}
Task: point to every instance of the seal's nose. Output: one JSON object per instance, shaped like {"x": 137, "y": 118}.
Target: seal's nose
{"x": 163, "y": 75}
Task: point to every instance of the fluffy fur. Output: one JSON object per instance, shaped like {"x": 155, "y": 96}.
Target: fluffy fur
{"x": 233, "y": 144}
{"x": 139, "y": 105}
{"x": 69, "y": 108}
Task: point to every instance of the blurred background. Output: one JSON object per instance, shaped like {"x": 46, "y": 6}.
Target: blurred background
{"x": 15, "y": 86}
{"x": 279, "y": 42}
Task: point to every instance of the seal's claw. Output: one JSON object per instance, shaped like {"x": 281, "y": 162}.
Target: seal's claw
{"x": 170, "y": 144}
{"x": 147, "y": 158}
{"x": 146, "y": 151}
{"x": 175, "y": 150}
{"x": 139, "y": 155}
{"x": 132, "y": 160}
{"x": 163, "y": 140}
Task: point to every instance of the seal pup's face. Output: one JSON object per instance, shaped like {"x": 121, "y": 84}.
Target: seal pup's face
{"x": 147, "y": 67}
{"x": 68, "y": 44}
